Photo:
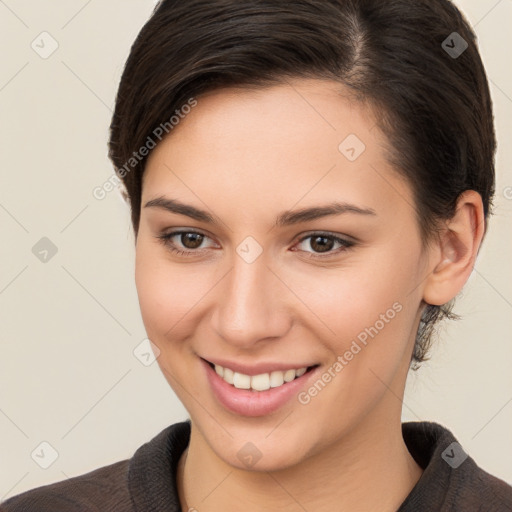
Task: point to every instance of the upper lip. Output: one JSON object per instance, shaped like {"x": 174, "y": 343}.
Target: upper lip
{"x": 257, "y": 368}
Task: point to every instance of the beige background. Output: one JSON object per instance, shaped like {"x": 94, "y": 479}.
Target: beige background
{"x": 68, "y": 329}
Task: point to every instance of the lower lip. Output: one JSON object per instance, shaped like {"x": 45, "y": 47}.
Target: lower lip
{"x": 254, "y": 403}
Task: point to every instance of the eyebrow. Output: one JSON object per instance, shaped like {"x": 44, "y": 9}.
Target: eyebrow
{"x": 286, "y": 218}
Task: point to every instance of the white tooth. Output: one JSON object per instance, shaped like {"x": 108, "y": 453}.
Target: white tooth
{"x": 289, "y": 375}
{"x": 300, "y": 371}
{"x": 260, "y": 382}
{"x": 276, "y": 379}
{"x": 241, "y": 381}
{"x": 228, "y": 375}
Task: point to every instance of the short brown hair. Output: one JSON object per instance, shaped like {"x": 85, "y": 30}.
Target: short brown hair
{"x": 434, "y": 105}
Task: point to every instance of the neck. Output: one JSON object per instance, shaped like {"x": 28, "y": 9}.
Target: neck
{"x": 369, "y": 469}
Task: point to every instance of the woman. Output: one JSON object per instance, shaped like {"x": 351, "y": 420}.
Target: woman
{"x": 310, "y": 184}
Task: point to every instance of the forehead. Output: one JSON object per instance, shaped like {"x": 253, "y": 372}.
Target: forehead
{"x": 304, "y": 110}
{"x": 282, "y": 144}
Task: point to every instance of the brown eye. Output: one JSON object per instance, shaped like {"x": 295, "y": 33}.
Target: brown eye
{"x": 323, "y": 244}
{"x": 191, "y": 240}
{"x": 183, "y": 242}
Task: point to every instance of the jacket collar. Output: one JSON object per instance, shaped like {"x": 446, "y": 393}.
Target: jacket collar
{"x": 152, "y": 471}
{"x": 153, "y": 468}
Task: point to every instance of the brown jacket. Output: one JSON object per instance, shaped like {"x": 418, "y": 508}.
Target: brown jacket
{"x": 147, "y": 482}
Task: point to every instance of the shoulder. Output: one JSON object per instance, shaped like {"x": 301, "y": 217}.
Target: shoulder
{"x": 105, "y": 487}
{"x": 452, "y": 480}
{"x": 489, "y": 491}
{"x": 146, "y": 481}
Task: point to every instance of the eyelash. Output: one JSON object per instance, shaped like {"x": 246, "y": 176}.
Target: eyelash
{"x": 165, "y": 238}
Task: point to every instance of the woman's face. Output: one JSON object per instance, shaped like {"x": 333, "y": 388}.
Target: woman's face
{"x": 264, "y": 287}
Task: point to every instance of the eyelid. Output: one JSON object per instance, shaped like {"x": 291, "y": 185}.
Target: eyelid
{"x": 166, "y": 236}
{"x": 346, "y": 242}
{"x": 298, "y": 238}
{"x": 321, "y": 232}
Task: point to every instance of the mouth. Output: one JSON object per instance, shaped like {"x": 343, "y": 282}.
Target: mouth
{"x": 258, "y": 394}
{"x": 261, "y": 381}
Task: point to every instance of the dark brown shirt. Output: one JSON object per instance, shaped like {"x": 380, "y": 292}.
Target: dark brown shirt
{"x": 451, "y": 480}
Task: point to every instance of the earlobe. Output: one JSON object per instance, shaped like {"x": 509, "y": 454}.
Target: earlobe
{"x": 453, "y": 257}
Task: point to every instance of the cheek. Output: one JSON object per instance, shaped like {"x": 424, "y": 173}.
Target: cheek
{"x": 366, "y": 303}
{"x": 370, "y": 314}
{"x": 167, "y": 294}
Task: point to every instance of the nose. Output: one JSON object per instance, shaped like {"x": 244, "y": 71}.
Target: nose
{"x": 252, "y": 304}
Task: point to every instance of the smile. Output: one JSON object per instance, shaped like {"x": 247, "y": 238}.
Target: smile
{"x": 261, "y": 392}
{"x": 261, "y": 382}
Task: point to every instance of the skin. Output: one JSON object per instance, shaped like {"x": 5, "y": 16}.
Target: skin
{"x": 245, "y": 156}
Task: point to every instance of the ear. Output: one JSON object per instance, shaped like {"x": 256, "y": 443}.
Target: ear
{"x": 453, "y": 255}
